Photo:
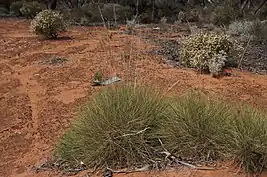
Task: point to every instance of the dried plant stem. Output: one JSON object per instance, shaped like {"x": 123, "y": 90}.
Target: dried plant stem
{"x": 114, "y": 13}
{"x": 104, "y": 24}
{"x": 242, "y": 58}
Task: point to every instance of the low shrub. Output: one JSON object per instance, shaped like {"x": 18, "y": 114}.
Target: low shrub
{"x": 191, "y": 15}
{"x": 223, "y": 15}
{"x": 80, "y": 15}
{"x": 245, "y": 30}
{"x": 260, "y": 30}
{"x": 30, "y": 9}
{"x": 114, "y": 129}
{"x": 248, "y": 140}
{"x": 241, "y": 28}
{"x": 111, "y": 11}
{"x": 206, "y": 50}
{"x": 93, "y": 13}
{"x": 146, "y": 17}
{"x": 3, "y": 11}
{"x": 15, "y": 8}
{"x": 196, "y": 127}
{"x": 48, "y": 23}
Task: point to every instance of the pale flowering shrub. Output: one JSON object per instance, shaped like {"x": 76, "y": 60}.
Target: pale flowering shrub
{"x": 48, "y": 23}
{"x": 245, "y": 30}
{"x": 237, "y": 28}
{"x": 217, "y": 63}
{"x": 209, "y": 52}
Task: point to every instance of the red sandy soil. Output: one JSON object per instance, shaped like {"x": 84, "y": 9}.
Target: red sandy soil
{"x": 38, "y": 102}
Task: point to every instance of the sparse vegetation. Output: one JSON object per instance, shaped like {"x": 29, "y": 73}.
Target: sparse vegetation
{"x": 49, "y": 24}
{"x": 206, "y": 50}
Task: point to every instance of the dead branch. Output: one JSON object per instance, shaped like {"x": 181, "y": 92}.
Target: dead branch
{"x": 102, "y": 17}
{"x": 145, "y": 168}
{"x": 133, "y": 134}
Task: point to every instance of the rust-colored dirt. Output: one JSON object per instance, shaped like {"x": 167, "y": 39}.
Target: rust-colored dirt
{"x": 38, "y": 102}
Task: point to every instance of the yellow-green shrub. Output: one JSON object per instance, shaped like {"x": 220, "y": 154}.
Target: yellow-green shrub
{"x": 48, "y": 23}
{"x": 204, "y": 50}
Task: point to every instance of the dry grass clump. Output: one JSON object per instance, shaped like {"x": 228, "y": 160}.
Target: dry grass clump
{"x": 247, "y": 141}
{"x": 196, "y": 127}
{"x": 205, "y": 129}
{"x": 114, "y": 129}
{"x": 131, "y": 126}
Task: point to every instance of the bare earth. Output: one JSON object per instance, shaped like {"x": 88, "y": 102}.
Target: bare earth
{"x": 39, "y": 101}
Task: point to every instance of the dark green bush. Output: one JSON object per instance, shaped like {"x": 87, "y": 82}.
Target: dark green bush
{"x": 89, "y": 13}
{"x": 122, "y": 12}
{"x": 30, "y": 9}
{"x": 3, "y": 11}
{"x": 15, "y": 8}
{"x": 192, "y": 15}
{"x": 223, "y": 15}
{"x": 80, "y": 15}
{"x": 114, "y": 129}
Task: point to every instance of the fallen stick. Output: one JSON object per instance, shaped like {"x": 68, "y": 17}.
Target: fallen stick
{"x": 172, "y": 157}
{"x": 145, "y": 168}
{"x": 186, "y": 164}
{"x": 195, "y": 167}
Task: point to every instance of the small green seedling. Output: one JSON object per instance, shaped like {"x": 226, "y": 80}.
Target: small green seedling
{"x": 98, "y": 78}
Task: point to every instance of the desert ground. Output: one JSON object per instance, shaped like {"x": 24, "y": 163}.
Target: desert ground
{"x": 39, "y": 99}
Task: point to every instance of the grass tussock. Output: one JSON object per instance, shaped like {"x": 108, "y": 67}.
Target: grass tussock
{"x": 129, "y": 126}
{"x": 248, "y": 139}
{"x": 196, "y": 127}
{"x": 113, "y": 129}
